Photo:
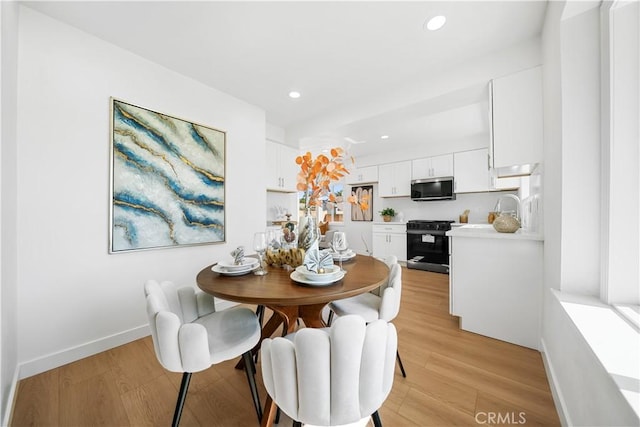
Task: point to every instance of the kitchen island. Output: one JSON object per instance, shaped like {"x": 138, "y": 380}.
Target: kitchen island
{"x": 495, "y": 282}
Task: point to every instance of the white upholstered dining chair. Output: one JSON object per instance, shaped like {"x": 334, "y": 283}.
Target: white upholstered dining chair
{"x": 331, "y": 376}
{"x": 383, "y": 304}
{"x": 190, "y": 336}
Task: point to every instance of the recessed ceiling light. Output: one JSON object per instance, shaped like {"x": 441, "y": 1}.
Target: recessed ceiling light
{"x": 435, "y": 23}
{"x": 293, "y": 94}
{"x": 384, "y": 137}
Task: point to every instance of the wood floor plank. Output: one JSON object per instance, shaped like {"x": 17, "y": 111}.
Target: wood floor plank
{"x": 453, "y": 376}
{"x": 92, "y": 400}
{"x": 37, "y": 400}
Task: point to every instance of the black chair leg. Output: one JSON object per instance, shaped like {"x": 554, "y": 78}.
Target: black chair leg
{"x": 331, "y": 313}
{"x": 400, "y": 363}
{"x": 260, "y": 314}
{"x": 277, "y": 420}
{"x": 182, "y": 395}
{"x": 376, "y": 419}
{"x": 250, "y": 369}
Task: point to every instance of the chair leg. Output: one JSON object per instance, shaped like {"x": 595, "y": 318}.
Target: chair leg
{"x": 297, "y": 424}
{"x": 260, "y": 314}
{"x": 277, "y": 421}
{"x": 330, "y": 319}
{"x": 376, "y": 419}
{"x": 400, "y": 363}
{"x": 250, "y": 369}
{"x": 182, "y": 395}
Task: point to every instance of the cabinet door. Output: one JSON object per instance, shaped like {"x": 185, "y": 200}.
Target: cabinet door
{"x": 288, "y": 167}
{"x": 442, "y": 165}
{"x": 421, "y": 168}
{"x": 472, "y": 171}
{"x": 516, "y": 102}
{"x": 380, "y": 245}
{"x": 394, "y": 179}
{"x": 398, "y": 246}
{"x": 432, "y": 167}
{"x": 273, "y": 179}
{"x": 386, "y": 180}
{"x": 281, "y": 167}
{"x": 363, "y": 175}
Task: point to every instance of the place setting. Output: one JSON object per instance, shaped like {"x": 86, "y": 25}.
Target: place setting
{"x": 238, "y": 265}
{"x": 318, "y": 268}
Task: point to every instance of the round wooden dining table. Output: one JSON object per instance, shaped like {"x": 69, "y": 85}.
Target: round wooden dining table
{"x": 291, "y": 300}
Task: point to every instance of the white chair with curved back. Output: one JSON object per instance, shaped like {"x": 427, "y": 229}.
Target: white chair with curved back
{"x": 190, "y": 336}
{"x": 331, "y": 376}
{"x": 383, "y": 303}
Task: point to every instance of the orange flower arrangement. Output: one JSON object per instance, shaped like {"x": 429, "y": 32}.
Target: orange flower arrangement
{"x": 316, "y": 175}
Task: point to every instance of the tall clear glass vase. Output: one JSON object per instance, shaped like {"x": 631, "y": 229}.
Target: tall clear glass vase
{"x": 307, "y": 230}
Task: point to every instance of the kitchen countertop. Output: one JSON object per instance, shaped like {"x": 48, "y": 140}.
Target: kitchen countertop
{"x": 486, "y": 231}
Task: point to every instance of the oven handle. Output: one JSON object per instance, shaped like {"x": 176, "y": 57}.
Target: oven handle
{"x": 432, "y": 232}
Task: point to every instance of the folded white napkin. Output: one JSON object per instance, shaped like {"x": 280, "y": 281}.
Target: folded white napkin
{"x": 317, "y": 260}
{"x": 238, "y": 255}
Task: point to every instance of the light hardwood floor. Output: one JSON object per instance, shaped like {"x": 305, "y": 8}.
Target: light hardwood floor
{"x": 453, "y": 378}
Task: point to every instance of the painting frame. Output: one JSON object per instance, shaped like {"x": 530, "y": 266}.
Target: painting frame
{"x": 362, "y": 193}
{"x": 167, "y": 183}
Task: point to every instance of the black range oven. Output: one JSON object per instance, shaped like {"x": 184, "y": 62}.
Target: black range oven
{"x": 428, "y": 246}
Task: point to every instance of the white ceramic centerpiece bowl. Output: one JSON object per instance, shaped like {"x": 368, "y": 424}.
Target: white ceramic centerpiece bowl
{"x": 328, "y": 274}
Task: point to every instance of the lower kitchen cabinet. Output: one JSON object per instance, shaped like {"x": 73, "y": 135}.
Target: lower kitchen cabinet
{"x": 390, "y": 239}
{"x": 496, "y": 284}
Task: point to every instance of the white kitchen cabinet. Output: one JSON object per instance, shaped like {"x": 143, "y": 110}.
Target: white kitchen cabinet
{"x": 394, "y": 179}
{"x": 390, "y": 239}
{"x": 472, "y": 171}
{"x": 516, "y": 111}
{"x": 432, "y": 167}
{"x": 281, "y": 167}
{"x": 496, "y": 283}
{"x": 363, "y": 175}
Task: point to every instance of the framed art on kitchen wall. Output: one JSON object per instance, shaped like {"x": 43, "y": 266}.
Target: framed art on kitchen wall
{"x": 362, "y": 203}
{"x": 167, "y": 181}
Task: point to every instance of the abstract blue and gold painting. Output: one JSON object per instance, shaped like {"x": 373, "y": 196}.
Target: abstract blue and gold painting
{"x": 167, "y": 180}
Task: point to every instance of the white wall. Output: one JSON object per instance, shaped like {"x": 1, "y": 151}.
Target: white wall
{"x": 584, "y": 392}
{"x": 73, "y": 297}
{"x": 8, "y": 210}
{"x": 580, "y": 74}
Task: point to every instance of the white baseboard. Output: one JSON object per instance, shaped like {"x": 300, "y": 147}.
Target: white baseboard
{"x": 11, "y": 398}
{"x": 54, "y": 360}
{"x": 558, "y": 400}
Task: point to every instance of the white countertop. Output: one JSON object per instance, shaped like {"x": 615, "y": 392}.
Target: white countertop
{"x": 486, "y": 231}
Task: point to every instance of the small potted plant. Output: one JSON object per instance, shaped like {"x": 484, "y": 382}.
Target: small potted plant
{"x": 387, "y": 214}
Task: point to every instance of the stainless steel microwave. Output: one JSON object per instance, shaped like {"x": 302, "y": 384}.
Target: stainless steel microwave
{"x": 432, "y": 189}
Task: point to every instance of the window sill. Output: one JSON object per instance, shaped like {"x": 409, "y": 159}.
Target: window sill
{"x": 612, "y": 338}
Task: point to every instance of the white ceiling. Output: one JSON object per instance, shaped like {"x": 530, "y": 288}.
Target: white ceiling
{"x": 337, "y": 54}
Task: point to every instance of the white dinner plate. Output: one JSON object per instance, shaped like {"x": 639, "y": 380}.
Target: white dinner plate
{"x": 225, "y": 272}
{"x": 247, "y": 264}
{"x": 312, "y": 276}
{"x": 345, "y": 257}
{"x": 297, "y": 277}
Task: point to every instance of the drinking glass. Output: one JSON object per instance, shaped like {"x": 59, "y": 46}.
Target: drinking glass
{"x": 340, "y": 244}
{"x": 260, "y": 246}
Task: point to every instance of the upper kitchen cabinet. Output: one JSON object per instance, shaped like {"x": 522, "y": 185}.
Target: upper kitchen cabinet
{"x": 363, "y": 175}
{"x": 432, "y": 167}
{"x": 394, "y": 179}
{"x": 516, "y": 110}
{"x": 472, "y": 171}
{"x": 281, "y": 167}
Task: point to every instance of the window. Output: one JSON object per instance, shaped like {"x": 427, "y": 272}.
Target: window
{"x": 621, "y": 155}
